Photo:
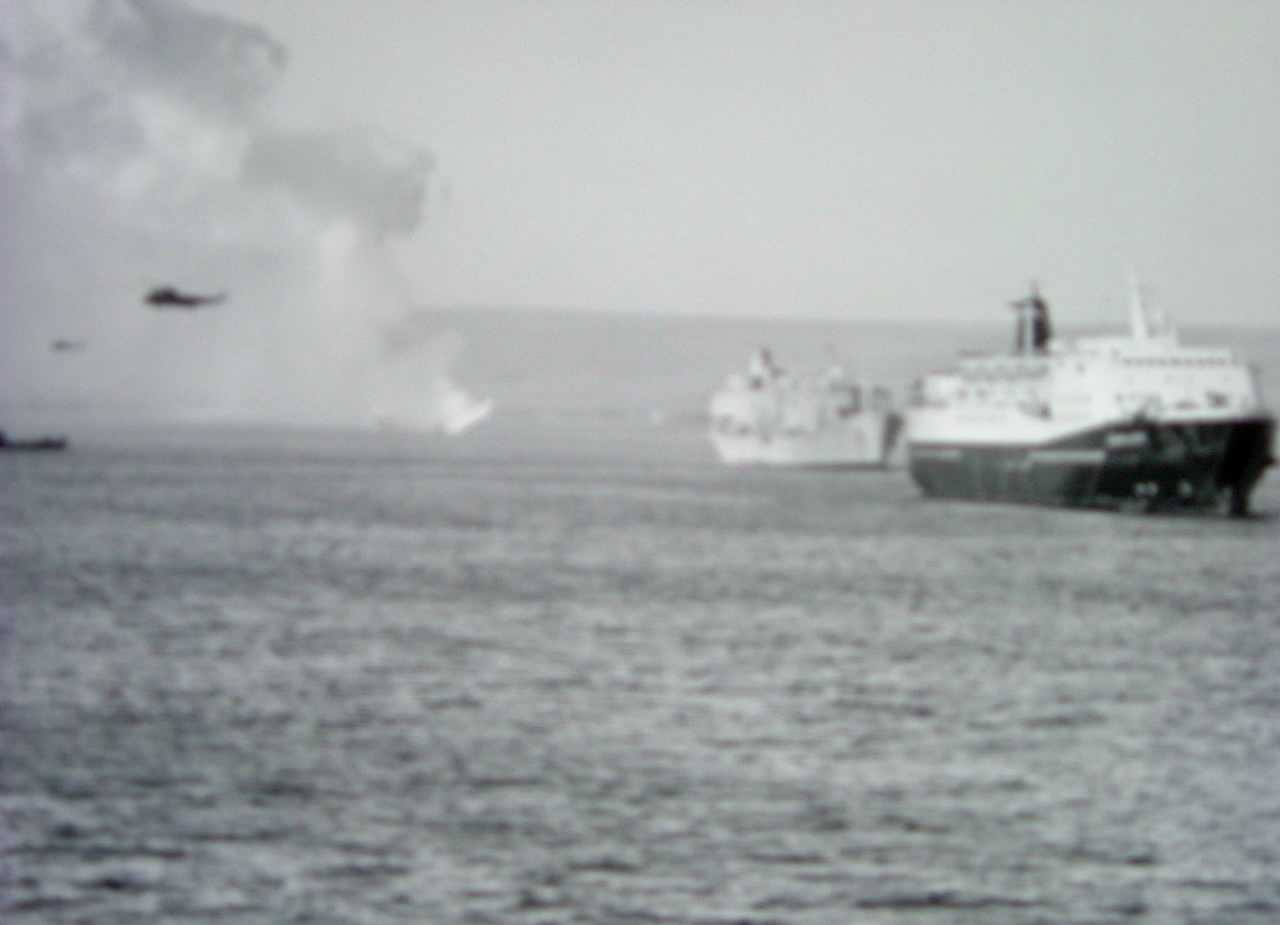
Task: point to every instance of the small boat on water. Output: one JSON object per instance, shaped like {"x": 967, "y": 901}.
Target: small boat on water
{"x": 31, "y": 444}
{"x": 768, "y": 417}
{"x": 1132, "y": 422}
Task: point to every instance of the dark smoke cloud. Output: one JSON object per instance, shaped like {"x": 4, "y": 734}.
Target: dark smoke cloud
{"x": 332, "y": 172}
{"x": 209, "y": 62}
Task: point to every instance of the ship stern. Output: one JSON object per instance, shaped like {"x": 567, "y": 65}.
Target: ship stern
{"x": 1248, "y": 452}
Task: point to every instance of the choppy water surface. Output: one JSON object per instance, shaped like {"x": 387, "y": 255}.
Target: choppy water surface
{"x": 332, "y": 681}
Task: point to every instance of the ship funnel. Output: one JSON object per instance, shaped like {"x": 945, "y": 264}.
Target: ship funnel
{"x": 1034, "y": 331}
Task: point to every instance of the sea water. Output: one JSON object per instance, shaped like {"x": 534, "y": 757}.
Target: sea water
{"x": 565, "y": 668}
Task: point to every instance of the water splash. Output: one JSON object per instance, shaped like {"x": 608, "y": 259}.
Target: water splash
{"x": 449, "y": 408}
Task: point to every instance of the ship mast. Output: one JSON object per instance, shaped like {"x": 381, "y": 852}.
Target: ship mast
{"x": 1146, "y": 323}
{"x": 1137, "y": 311}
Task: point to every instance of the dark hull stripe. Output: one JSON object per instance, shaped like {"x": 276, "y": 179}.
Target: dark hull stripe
{"x": 1140, "y": 466}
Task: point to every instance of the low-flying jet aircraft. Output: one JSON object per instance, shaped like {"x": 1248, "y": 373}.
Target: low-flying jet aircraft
{"x": 66, "y": 345}
{"x": 168, "y": 297}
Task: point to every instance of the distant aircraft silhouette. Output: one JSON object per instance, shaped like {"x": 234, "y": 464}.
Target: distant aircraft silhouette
{"x": 169, "y": 297}
{"x": 65, "y": 345}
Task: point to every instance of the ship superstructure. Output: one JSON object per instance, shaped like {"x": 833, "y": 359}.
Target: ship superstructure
{"x": 1131, "y": 421}
{"x": 769, "y": 417}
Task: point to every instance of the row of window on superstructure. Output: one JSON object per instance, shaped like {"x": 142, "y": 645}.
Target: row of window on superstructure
{"x": 1005, "y": 373}
{"x": 1175, "y": 361}
{"x": 997, "y": 394}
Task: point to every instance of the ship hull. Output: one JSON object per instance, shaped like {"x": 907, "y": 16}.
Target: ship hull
{"x": 862, "y": 442}
{"x": 37, "y": 445}
{"x": 1130, "y": 465}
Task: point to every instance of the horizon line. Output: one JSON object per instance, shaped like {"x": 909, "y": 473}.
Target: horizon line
{"x": 692, "y": 315}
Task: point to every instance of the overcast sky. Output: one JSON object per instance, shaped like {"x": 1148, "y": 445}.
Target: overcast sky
{"x": 850, "y": 159}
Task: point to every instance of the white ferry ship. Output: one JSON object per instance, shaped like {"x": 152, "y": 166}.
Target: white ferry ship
{"x": 1136, "y": 422}
{"x": 768, "y": 417}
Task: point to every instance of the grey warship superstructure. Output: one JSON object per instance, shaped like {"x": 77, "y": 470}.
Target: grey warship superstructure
{"x": 1130, "y": 422}
{"x": 768, "y": 417}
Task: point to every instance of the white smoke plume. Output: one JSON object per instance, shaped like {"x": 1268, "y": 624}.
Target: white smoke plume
{"x": 448, "y": 408}
{"x": 136, "y": 151}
